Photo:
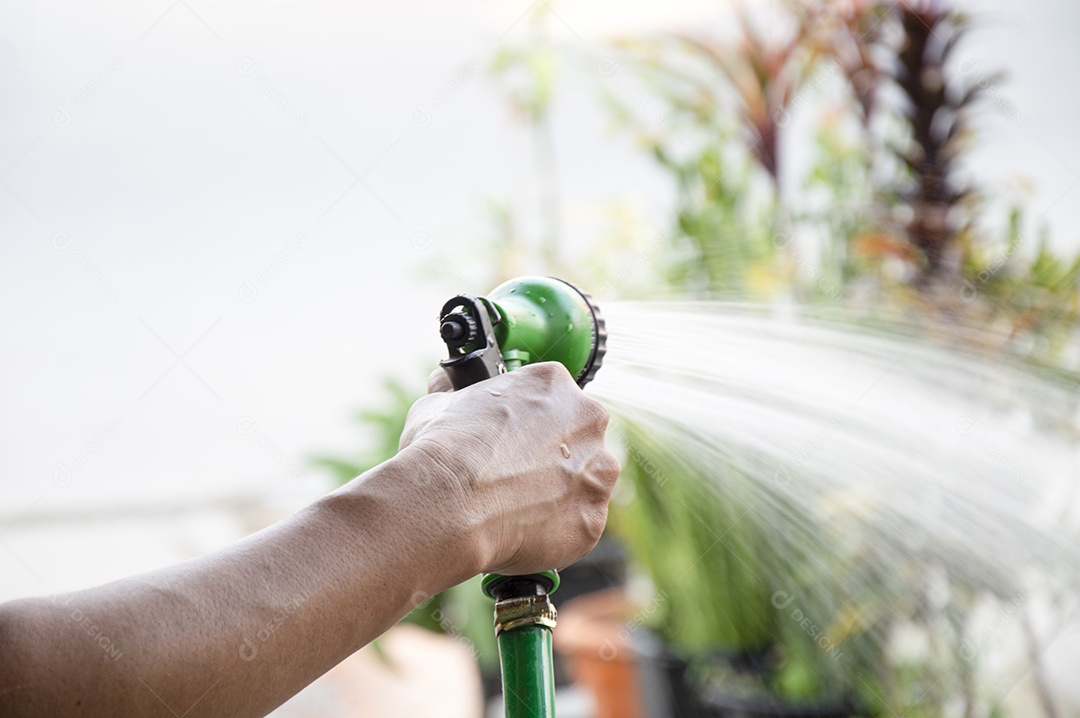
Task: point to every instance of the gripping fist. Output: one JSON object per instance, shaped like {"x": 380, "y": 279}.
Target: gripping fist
{"x": 520, "y": 458}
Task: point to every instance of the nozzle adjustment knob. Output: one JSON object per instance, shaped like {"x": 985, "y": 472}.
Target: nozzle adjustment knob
{"x": 458, "y": 329}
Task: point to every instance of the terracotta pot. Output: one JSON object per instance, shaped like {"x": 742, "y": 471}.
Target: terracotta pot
{"x": 592, "y": 635}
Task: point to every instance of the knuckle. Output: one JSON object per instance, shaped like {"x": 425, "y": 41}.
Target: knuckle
{"x": 609, "y": 468}
{"x": 595, "y": 414}
{"x": 552, "y": 372}
{"x": 549, "y": 368}
{"x": 544, "y": 369}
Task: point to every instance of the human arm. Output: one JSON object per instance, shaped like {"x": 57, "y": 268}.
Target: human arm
{"x": 481, "y": 484}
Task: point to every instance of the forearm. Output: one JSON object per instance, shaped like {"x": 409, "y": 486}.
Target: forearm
{"x": 237, "y": 632}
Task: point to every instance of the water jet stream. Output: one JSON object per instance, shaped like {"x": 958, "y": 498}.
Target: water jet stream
{"x": 846, "y": 439}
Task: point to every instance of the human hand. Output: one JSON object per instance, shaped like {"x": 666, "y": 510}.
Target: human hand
{"x": 520, "y": 459}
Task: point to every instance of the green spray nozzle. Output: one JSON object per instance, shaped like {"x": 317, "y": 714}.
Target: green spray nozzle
{"x": 522, "y": 321}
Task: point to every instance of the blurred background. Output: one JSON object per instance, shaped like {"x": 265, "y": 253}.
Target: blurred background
{"x": 227, "y": 227}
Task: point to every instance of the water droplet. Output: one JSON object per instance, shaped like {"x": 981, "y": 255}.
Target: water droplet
{"x": 494, "y": 393}
{"x": 542, "y": 300}
{"x": 565, "y": 450}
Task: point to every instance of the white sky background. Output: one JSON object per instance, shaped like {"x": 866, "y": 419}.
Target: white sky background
{"x": 181, "y": 178}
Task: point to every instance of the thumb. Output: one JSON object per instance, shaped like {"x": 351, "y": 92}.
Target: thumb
{"x": 439, "y": 382}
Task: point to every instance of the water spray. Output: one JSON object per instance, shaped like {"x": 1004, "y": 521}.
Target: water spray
{"x": 523, "y": 321}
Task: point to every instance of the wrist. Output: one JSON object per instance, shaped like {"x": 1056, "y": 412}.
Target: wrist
{"x": 439, "y": 489}
{"x": 410, "y": 510}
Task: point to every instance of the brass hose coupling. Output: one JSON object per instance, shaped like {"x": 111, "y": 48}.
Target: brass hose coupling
{"x": 518, "y": 611}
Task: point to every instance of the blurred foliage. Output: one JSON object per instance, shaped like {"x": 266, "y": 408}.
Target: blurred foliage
{"x": 881, "y": 223}
{"x": 667, "y": 525}
{"x": 381, "y": 428}
{"x": 882, "y": 218}
{"x": 754, "y": 618}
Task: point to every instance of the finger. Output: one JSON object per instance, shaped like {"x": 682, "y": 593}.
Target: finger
{"x": 438, "y": 382}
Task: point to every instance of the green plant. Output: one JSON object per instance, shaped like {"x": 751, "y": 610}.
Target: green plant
{"x": 710, "y": 547}
{"x": 672, "y": 528}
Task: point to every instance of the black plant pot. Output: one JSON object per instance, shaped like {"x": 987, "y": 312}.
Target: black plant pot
{"x": 720, "y": 706}
{"x": 665, "y": 688}
{"x": 603, "y": 567}
{"x": 670, "y": 692}
{"x": 491, "y": 684}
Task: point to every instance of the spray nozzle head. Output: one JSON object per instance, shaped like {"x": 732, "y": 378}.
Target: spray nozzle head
{"x": 522, "y": 321}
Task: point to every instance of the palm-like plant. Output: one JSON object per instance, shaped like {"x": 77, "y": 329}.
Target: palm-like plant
{"x": 764, "y": 73}
{"x": 855, "y": 41}
{"x": 936, "y": 110}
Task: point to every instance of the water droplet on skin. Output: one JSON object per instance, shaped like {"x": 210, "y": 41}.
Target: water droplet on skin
{"x": 565, "y": 451}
